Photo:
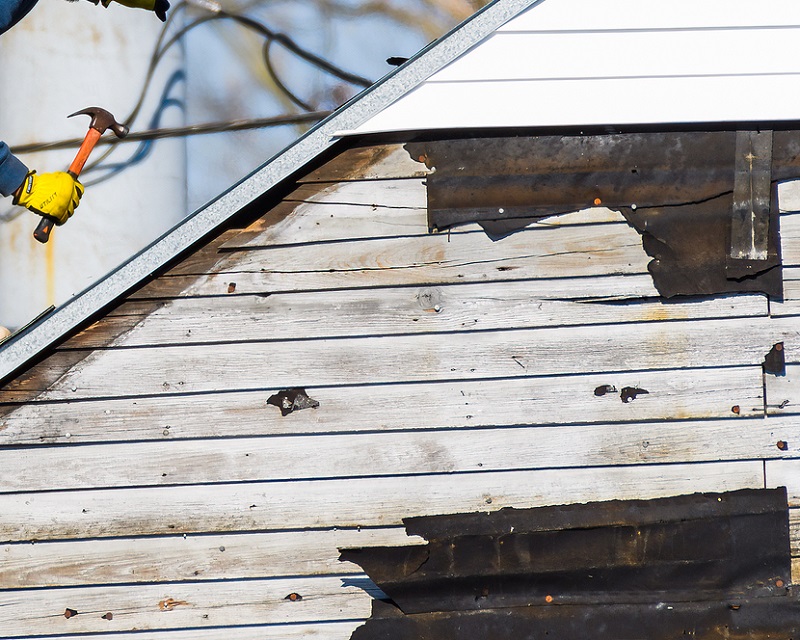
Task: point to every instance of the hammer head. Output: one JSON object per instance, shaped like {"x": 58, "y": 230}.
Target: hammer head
{"x": 102, "y": 120}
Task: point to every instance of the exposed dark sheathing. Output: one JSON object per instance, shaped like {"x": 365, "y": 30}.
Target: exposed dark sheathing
{"x": 688, "y": 193}
{"x": 657, "y": 569}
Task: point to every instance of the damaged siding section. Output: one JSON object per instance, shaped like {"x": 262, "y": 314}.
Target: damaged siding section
{"x": 690, "y": 565}
{"x": 311, "y": 381}
{"x": 704, "y": 202}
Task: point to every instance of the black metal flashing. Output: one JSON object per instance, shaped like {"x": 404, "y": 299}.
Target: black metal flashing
{"x": 617, "y": 569}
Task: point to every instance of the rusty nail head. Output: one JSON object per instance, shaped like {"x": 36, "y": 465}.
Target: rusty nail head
{"x": 548, "y": 599}
{"x": 735, "y": 409}
{"x": 108, "y": 616}
{"x": 783, "y": 445}
{"x": 779, "y": 583}
{"x": 294, "y": 597}
{"x": 69, "y": 613}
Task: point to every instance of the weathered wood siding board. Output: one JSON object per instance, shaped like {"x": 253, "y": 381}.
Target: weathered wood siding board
{"x": 184, "y": 605}
{"x": 683, "y": 394}
{"x": 608, "y": 287}
{"x": 371, "y": 455}
{"x": 394, "y": 311}
{"x": 536, "y": 252}
{"x": 371, "y": 162}
{"x": 190, "y": 558}
{"x": 456, "y": 356}
{"x": 385, "y": 501}
{"x": 301, "y": 631}
{"x": 297, "y": 631}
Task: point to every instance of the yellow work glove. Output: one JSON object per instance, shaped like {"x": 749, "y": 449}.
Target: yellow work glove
{"x": 159, "y": 7}
{"x": 50, "y": 194}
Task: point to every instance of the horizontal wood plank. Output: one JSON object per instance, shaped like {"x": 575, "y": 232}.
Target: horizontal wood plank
{"x": 393, "y": 454}
{"x": 184, "y": 605}
{"x": 302, "y": 631}
{"x": 189, "y": 558}
{"x": 606, "y": 248}
{"x": 783, "y": 392}
{"x": 345, "y": 503}
{"x": 784, "y": 473}
{"x": 619, "y": 287}
{"x": 294, "y": 222}
{"x": 672, "y": 395}
{"x": 407, "y": 310}
{"x": 371, "y": 162}
{"x": 426, "y": 357}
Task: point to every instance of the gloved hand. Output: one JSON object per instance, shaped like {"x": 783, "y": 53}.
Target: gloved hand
{"x": 50, "y": 194}
{"x": 159, "y": 7}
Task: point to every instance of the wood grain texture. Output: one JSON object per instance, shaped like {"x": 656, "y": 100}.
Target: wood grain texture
{"x": 630, "y": 14}
{"x": 394, "y": 454}
{"x": 406, "y": 310}
{"x": 270, "y": 506}
{"x": 301, "y": 631}
{"x": 539, "y": 252}
{"x": 672, "y": 395}
{"x": 383, "y": 360}
{"x": 190, "y": 558}
{"x": 784, "y": 473}
{"x": 371, "y": 162}
{"x": 180, "y": 606}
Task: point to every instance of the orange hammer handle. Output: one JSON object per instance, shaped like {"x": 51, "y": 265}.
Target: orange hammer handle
{"x": 92, "y": 136}
{"x": 46, "y": 224}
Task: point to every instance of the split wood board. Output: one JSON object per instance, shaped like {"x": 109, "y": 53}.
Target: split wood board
{"x": 265, "y": 506}
{"x": 371, "y": 455}
{"x": 406, "y": 310}
{"x": 422, "y": 358}
{"x": 672, "y": 395}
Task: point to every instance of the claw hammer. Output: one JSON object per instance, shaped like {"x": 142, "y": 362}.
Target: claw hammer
{"x": 101, "y": 121}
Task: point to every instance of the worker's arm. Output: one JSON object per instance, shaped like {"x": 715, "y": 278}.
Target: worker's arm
{"x": 12, "y": 11}
{"x": 12, "y": 171}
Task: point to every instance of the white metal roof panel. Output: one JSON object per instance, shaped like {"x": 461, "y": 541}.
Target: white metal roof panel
{"x": 615, "y": 62}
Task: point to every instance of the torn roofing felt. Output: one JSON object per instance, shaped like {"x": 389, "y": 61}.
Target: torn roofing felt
{"x": 618, "y": 569}
{"x": 29, "y": 345}
{"x": 704, "y": 202}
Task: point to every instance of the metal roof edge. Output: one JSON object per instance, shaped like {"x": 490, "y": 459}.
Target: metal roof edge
{"x": 21, "y": 350}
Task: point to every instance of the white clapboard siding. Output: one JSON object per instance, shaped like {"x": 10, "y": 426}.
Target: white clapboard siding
{"x": 672, "y": 394}
{"x": 178, "y": 606}
{"x": 188, "y": 558}
{"x": 591, "y": 102}
{"x": 585, "y": 63}
{"x": 394, "y": 454}
{"x": 628, "y": 54}
{"x": 588, "y": 15}
{"x": 262, "y": 506}
{"x": 426, "y": 357}
{"x": 405, "y": 310}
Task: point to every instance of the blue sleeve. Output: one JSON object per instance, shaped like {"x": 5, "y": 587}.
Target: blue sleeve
{"x": 12, "y": 11}
{"x": 12, "y": 171}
